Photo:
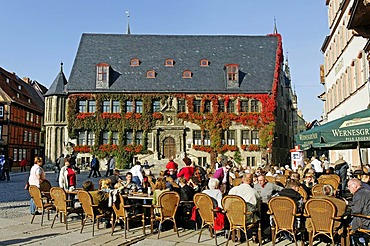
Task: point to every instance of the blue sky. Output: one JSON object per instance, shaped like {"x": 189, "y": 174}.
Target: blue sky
{"x": 37, "y": 35}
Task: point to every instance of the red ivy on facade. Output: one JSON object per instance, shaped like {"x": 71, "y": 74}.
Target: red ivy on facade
{"x": 84, "y": 115}
{"x": 81, "y": 149}
{"x": 157, "y": 116}
{"x": 250, "y": 147}
{"x": 111, "y": 115}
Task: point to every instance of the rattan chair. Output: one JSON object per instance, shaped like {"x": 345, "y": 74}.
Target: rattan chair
{"x": 284, "y": 212}
{"x": 329, "y": 180}
{"x": 204, "y": 206}
{"x": 168, "y": 202}
{"x": 303, "y": 193}
{"x": 88, "y": 208}
{"x": 40, "y": 203}
{"x": 237, "y": 213}
{"x": 120, "y": 214}
{"x": 332, "y": 176}
{"x": 321, "y": 213}
{"x": 360, "y": 230}
{"x": 236, "y": 182}
{"x": 317, "y": 190}
{"x": 271, "y": 179}
{"x": 281, "y": 180}
{"x": 59, "y": 197}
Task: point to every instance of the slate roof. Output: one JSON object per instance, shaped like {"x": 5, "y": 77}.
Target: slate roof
{"x": 58, "y": 86}
{"x": 256, "y": 56}
{"x": 26, "y": 92}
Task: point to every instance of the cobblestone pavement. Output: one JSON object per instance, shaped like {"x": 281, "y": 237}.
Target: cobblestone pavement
{"x": 16, "y": 229}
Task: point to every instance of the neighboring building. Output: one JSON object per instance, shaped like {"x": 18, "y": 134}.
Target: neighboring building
{"x": 161, "y": 96}
{"x": 21, "y": 117}
{"x": 345, "y": 74}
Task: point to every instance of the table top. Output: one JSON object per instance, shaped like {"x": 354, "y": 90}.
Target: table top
{"x": 139, "y": 196}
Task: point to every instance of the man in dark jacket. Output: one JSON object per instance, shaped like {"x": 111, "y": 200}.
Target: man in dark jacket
{"x": 341, "y": 167}
{"x": 360, "y": 204}
{"x": 291, "y": 191}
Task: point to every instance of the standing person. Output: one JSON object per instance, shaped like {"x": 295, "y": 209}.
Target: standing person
{"x": 23, "y": 165}
{"x": 94, "y": 165}
{"x": 187, "y": 171}
{"x": 137, "y": 174}
{"x": 171, "y": 168}
{"x": 6, "y": 168}
{"x": 341, "y": 167}
{"x": 67, "y": 177}
{"x": 111, "y": 165}
{"x": 317, "y": 165}
{"x": 58, "y": 163}
{"x": 37, "y": 176}
{"x": 222, "y": 174}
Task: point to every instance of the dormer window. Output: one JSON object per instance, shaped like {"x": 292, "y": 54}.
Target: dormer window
{"x": 19, "y": 87}
{"x": 135, "y": 62}
{"x": 102, "y": 70}
{"x": 232, "y": 75}
{"x": 204, "y": 63}
{"x": 150, "y": 74}
{"x": 187, "y": 74}
{"x": 169, "y": 63}
{"x": 7, "y": 80}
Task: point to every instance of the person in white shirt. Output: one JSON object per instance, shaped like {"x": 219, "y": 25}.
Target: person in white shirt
{"x": 317, "y": 165}
{"x": 37, "y": 176}
{"x": 250, "y": 195}
{"x": 214, "y": 192}
{"x": 137, "y": 174}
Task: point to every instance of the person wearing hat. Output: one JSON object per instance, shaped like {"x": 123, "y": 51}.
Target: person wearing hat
{"x": 186, "y": 171}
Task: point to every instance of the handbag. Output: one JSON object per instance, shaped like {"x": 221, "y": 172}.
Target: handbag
{"x": 27, "y": 186}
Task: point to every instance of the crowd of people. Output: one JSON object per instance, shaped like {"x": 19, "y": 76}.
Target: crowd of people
{"x": 250, "y": 183}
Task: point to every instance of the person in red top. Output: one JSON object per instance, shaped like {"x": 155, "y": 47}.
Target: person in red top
{"x": 187, "y": 171}
{"x": 171, "y": 169}
{"x": 23, "y": 165}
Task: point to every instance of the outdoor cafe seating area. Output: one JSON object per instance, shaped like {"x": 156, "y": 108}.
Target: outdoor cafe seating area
{"x": 318, "y": 220}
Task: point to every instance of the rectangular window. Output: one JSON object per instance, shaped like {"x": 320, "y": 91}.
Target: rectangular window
{"x": 231, "y": 106}
{"x": 197, "y": 137}
{"x": 156, "y": 106}
{"x": 103, "y": 73}
{"x": 81, "y": 138}
{"x": 30, "y": 137}
{"x": 221, "y": 105}
{"x": 37, "y": 119}
{"x": 115, "y": 138}
{"x": 31, "y": 117}
{"x": 35, "y": 137}
{"x": 181, "y": 105}
{"x": 15, "y": 155}
{"x": 90, "y": 138}
{"x": 244, "y": 107}
{"x": 116, "y": 107}
{"x": 105, "y": 137}
{"x": 231, "y": 137}
{"x": 207, "y": 106}
{"x": 139, "y": 137}
{"x": 128, "y": 137}
{"x": 255, "y": 137}
{"x": 1, "y": 111}
{"x": 129, "y": 106}
{"x": 27, "y": 116}
{"x": 82, "y": 106}
{"x": 251, "y": 161}
{"x": 207, "y": 138}
{"x": 222, "y": 137}
{"x": 254, "y": 106}
{"x": 246, "y": 137}
{"x": 139, "y": 107}
{"x": 25, "y": 136}
{"x": 92, "y": 106}
{"x": 106, "y": 106}
{"x": 196, "y": 104}
{"x": 20, "y": 154}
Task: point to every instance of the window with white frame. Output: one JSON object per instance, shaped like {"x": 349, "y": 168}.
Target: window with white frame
{"x": 90, "y": 138}
{"x": 92, "y": 106}
{"x": 207, "y": 138}
{"x": 129, "y": 139}
{"x": 246, "y": 137}
{"x": 15, "y": 154}
{"x": 138, "y": 107}
{"x": 105, "y": 137}
{"x": 82, "y": 106}
{"x": 25, "y": 136}
{"x": 139, "y": 137}
{"x": 116, "y": 107}
{"x": 27, "y": 116}
{"x": 1, "y": 111}
{"x": 255, "y": 137}
{"x": 197, "y": 137}
{"x": 129, "y": 106}
{"x": 81, "y": 138}
{"x": 37, "y": 119}
{"x": 106, "y": 106}
{"x": 20, "y": 154}
{"x": 35, "y": 138}
{"x": 156, "y": 106}
{"x": 181, "y": 105}
{"x": 196, "y": 105}
{"x": 231, "y": 137}
{"x": 30, "y": 136}
{"x": 115, "y": 138}
{"x": 24, "y": 152}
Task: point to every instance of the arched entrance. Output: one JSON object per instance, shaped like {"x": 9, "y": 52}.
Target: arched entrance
{"x": 169, "y": 148}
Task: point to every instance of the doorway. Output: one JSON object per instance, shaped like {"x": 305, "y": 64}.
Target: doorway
{"x": 169, "y": 148}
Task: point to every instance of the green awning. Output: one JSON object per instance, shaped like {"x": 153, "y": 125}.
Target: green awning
{"x": 344, "y": 133}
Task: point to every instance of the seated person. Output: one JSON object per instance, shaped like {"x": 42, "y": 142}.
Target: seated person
{"x": 266, "y": 189}
{"x": 115, "y": 178}
{"x": 214, "y": 192}
{"x": 127, "y": 185}
{"x": 187, "y": 171}
{"x": 194, "y": 183}
{"x": 105, "y": 185}
{"x": 160, "y": 187}
{"x": 99, "y": 198}
{"x": 291, "y": 191}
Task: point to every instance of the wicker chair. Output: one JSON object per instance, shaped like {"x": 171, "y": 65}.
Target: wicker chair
{"x": 331, "y": 176}
{"x": 236, "y": 182}
{"x": 270, "y": 179}
{"x": 40, "y": 203}
{"x": 281, "y": 180}
{"x": 204, "y": 206}
{"x": 120, "y": 214}
{"x": 331, "y": 181}
{"x": 361, "y": 230}
{"x": 321, "y": 213}
{"x": 303, "y": 193}
{"x": 284, "y": 212}
{"x": 45, "y": 188}
{"x": 59, "y": 197}
{"x": 88, "y": 208}
{"x": 317, "y": 190}
{"x": 168, "y": 203}
{"x": 237, "y": 213}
